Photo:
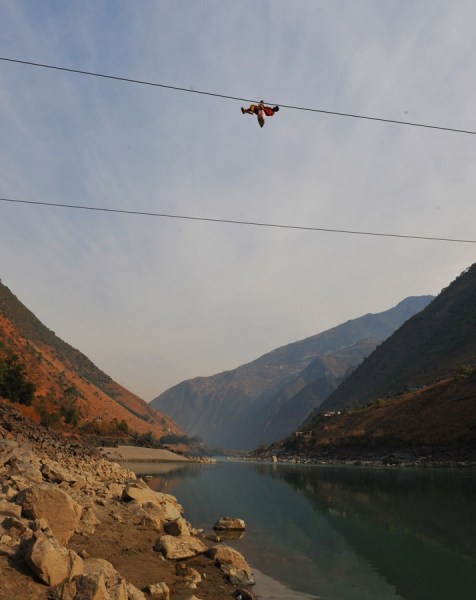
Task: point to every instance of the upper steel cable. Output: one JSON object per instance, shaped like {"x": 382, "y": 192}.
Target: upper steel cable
{"x": 225, "y": 96}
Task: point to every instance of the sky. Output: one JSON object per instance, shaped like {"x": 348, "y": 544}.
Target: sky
{"x": 154, "y": 301}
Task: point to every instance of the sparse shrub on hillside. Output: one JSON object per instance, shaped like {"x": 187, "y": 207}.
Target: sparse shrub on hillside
{"x": 147, "y": 437}
{"x": 293, "y": 443}
{"x": 69, "y": 409}
{"x": 377, "y": 402}
{"x": 14, "y": 384}
{"x": 48, "y": 418}
{"x": 465, "y": 372}
{"x": 179, "y": 439}
{"x": 3, "y": 370}
{"x": 123, "y": 426}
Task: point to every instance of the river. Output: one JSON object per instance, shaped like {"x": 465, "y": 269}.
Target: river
{"x": 339, "y": 533}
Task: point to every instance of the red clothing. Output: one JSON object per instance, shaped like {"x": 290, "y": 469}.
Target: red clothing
{"x": 268, "y": 111}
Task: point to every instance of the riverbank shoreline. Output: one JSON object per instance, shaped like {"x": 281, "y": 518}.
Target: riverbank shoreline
{"x": 71, "y": 520}
{"x": 385, "y": 457}
{"x": 138, "y": 454}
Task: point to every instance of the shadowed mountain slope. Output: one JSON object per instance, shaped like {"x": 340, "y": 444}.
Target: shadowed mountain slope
{"x": 244, "y": 407}
{"x": 432, "y": 345}
{"x": 433, "y": 425}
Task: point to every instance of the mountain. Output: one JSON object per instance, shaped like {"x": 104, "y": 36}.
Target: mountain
{"x": 432, "y": 345}
{"x": 291, "y": 405}
{"x": 65, "y": 381}
{"x": 433, "y": 425}
{"x": 257, "y": 402}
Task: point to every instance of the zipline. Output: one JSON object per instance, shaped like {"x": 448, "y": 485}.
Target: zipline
{"x": 236, "y": 222}
{"x": 227, "y": 97}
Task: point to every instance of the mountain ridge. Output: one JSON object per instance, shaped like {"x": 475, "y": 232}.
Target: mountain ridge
{"x": 412, "y": 401}
{"x": 433, "y": 344}
{"x": 228, "y": 409}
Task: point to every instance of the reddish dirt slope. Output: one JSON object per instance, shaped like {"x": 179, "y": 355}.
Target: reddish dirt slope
{"x": 440, "y": 415}
{"x": 53, "y": 375}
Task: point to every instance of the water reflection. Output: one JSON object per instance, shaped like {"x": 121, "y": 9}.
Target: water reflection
{"x": 416, "y": 528}
{"x": 434, "y": 505}
{"x": 164, "y": 476}
{"x": 344, "y": 533}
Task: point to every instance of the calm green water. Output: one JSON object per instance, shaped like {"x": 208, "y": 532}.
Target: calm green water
{"x": 340, "y": 533}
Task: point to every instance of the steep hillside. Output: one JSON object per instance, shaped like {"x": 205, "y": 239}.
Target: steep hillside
{"x": 286, "y": 410}
{"x": 243, "y": 407}
{"x": 438, "y": 421}
{"x": 64, "y": 378}
{"x": 432, "y": 345}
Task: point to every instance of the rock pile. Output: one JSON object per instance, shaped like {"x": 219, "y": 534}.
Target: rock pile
{"x": 74, "y": 526}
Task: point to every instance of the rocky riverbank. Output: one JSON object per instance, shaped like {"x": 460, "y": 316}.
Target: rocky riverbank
{"x": 418, "y": 456}
{"x": 74, "y": 526}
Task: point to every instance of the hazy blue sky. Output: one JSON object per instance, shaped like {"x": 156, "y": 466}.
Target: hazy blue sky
{"x": 154, "y": 301}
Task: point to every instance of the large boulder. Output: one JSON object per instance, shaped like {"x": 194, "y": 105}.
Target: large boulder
{"x": 51, "y": 562}
{"x": 158, "y": 591}
{"x": 15, "y": 527}
{"x": 179, "y": 547}
{"x": 26, "y": 470}
{"x": 177, "y": 527}
{"x": 88, "y": 522}
{"x": 19, "y": 461}
{"x": 233, "y": 564}
{"x": 139, "y": 492}
{"x": 9, "y": 509}
{"x": 47, "y": 501}
{"x": 133, "y": 593}
{"x": 82, "y": 587}
{"x": 190, "y": 576}
{"x": 149, "y": 515}
{"x": 9, "y": 450}
{"x": 100, "y": 581}
{"x": 54, "y": 473}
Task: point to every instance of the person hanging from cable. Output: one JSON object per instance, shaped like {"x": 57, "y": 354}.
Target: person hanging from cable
{"x": 261, "y": 111}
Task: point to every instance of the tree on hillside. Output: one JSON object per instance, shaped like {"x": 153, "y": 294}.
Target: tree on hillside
{"x": 69, "y": 409}
{"x": 14, "y": 384}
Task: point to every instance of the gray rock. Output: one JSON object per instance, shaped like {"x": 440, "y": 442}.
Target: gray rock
{"x": 10, "y": 509}
{"x": 82, "y": 587}
{"x": 160, "y": 590}
{"x": 177, "y": 527}
{"x": 179, "y": 547}
{"x": 190, "y": 575}
{"x": 100, "y": 581}
{"x": 241, "y": 594}
{"x": 230, "y": 524}
{"x": 28, "y": 471}
{"x": 14, "y": 526}
{"x": 143, "y": 495}
{"x": 55, "y": 474}
{"x": 232, "y": 564}
{"x": 133, "y": 593}
{"x": 88, "y": 522}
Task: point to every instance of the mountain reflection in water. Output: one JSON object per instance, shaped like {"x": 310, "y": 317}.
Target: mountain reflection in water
{"x": 342, "y": 533}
